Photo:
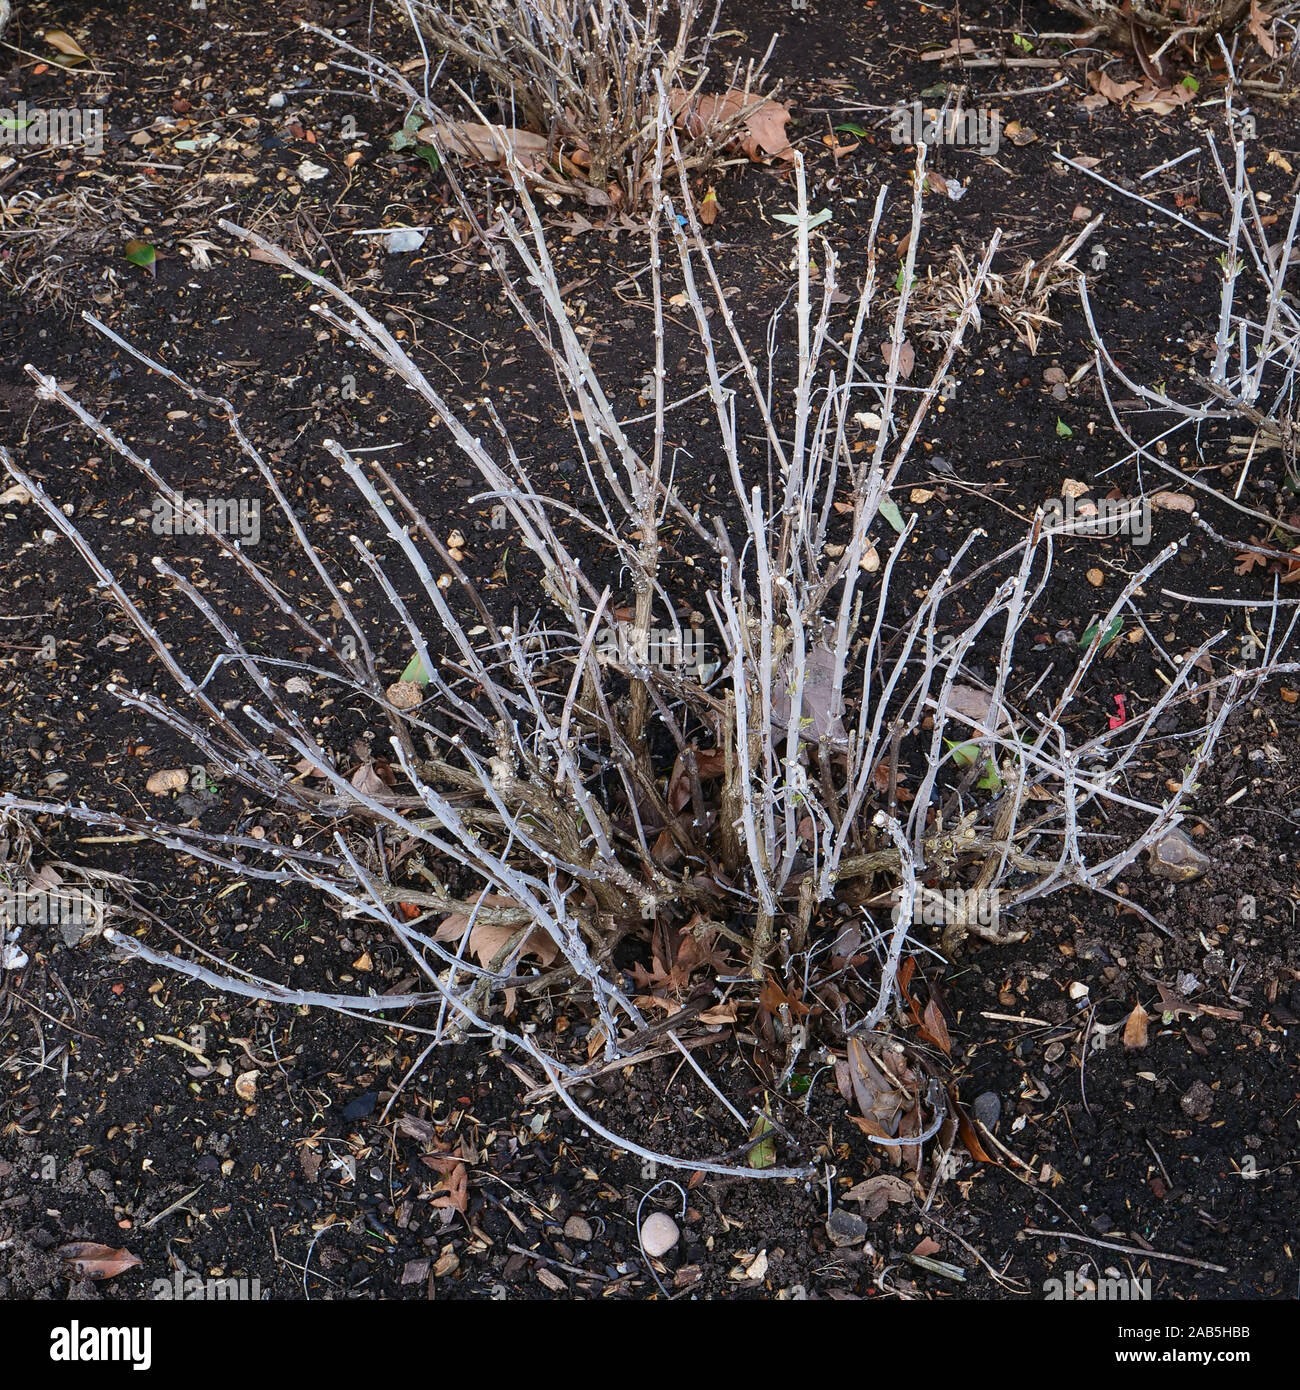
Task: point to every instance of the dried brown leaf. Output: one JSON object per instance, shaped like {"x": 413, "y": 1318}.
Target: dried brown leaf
{"x": 84, "y": 1259}
{"x": 764, "y": 120}
{"x": 487, "y": 938}
{"x": 1105, "y": 85}
{"x": 906, "y": 357}
{"x": 1259, "y": 32}
{"x": 1135, "y": 1027}
{"x": 877, "y": 1193}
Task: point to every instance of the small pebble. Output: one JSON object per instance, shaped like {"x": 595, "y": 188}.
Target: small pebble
{"x": 987, "y": 1109}
{"x": 846, "y": 1229}
{"x": 578, "y": 1228}
{"x": 1198, "y": 1102}
{"x": 402, "y": 240}
{"x": 1175, "y": 858}
{"x": 659, "y": 1234}
{"x": 275, "y": 101}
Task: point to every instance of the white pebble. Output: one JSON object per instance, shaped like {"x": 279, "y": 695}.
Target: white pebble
{"x": 659, "y": 1234}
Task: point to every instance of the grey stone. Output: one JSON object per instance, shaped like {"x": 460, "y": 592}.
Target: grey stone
{"x": 846, "y": 1229}
{"x": 987, "y": 1109}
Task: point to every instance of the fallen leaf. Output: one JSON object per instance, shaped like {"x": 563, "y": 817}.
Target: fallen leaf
{"x": 1135, "y": 1028}
{"x": 490, "y": 144}
{"x": 966, "y": 1131}
{"x": 368, "y": 782}
{"x": 454, "y": 1185}
{"x": 142, "y": 254}
{"x": 487, "y": 938}
{"x": 724, "y": 1013}
{"x": 1105, "y": 85}
{"x": 1260, "y": 34}
{"x": 877, "y": 1193}
{"x": 1247, "y": 560}
{"x": 936, "y": 1029}
{"x": 763, "y": 119}
{"x": 879, "y": 1100}
{"x": 763, "y": 1153}
{"x": 906, "y": 357}
{"x": 84, "y": 1259}
{"x": 70, "y": 48}
{"x": 1160, "y": 102}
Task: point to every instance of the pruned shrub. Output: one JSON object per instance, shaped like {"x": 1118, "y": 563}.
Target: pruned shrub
{"x": 578, "y": 84}
{"x": 839, "y": 776}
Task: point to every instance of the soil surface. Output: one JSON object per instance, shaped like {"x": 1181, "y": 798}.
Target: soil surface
{"x": 320, "y": 1154}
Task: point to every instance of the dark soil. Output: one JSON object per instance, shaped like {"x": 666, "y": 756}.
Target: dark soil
{"x": 319, "y": 1186}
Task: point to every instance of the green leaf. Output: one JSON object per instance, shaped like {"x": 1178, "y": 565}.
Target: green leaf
{"x": 965, "y": 754}
{"x": 1023, "y": 43}
{"x": 13, "y": 123}
{"x": 1063, "y": 429}
{"x": 990, "y": 782}
{"x": 1094, "y": 632}
{"x": 892, "y": 515}
{"x": 430, "y": 157}
{"x": 402, "y": 139}
{"x": 792, "y": 218}
{"x": 142, "y": 254}
{"x": 850, "y": 129}
{"x": 799, "y": 1083}
{"x": 415, "y": 671}
{"x": 763, "y": 1154}
{"x": 1191, "y": 84}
